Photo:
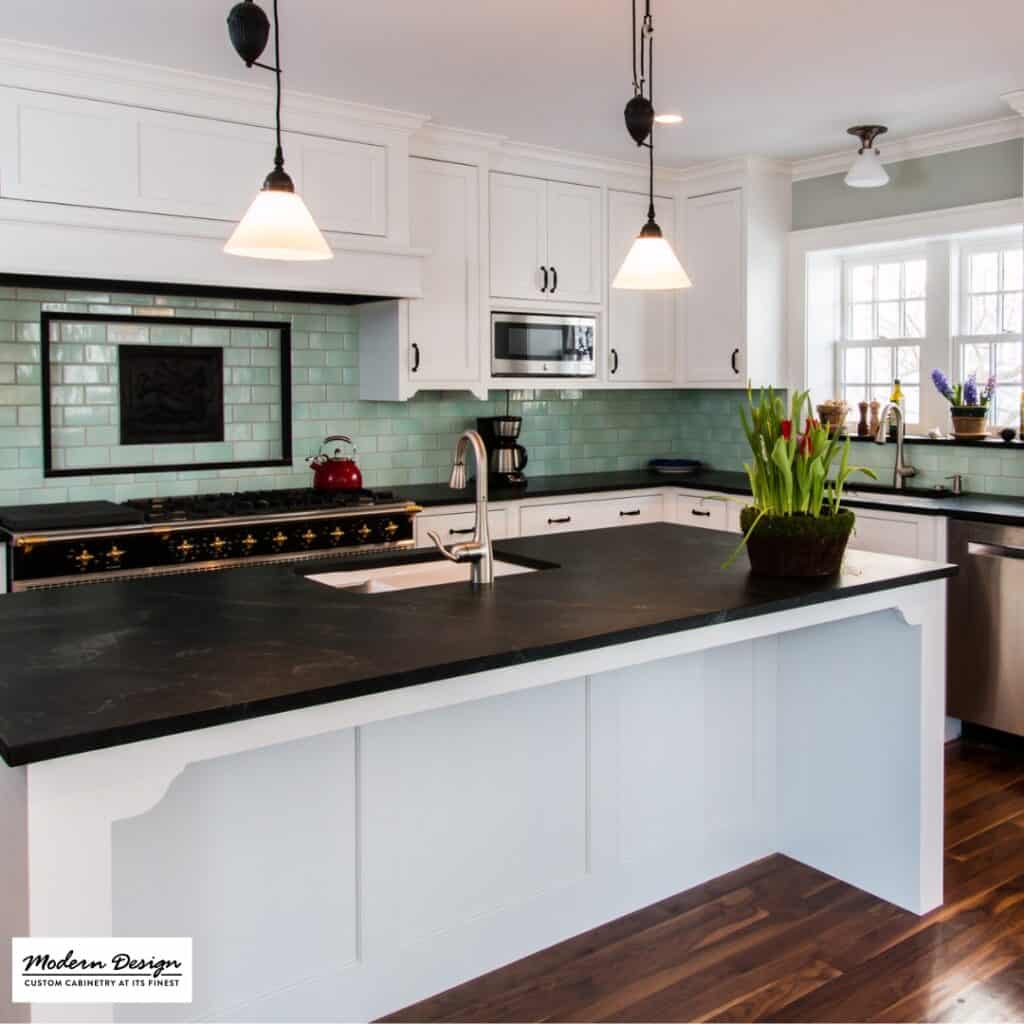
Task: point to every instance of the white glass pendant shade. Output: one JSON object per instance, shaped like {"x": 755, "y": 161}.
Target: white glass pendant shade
{"x": 867, "y": 171}
{"x": 278, "y": 226}
{"x": 651, "y": 265}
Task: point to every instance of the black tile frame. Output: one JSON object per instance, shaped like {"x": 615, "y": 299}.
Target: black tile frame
{"x": 47, "y": 318}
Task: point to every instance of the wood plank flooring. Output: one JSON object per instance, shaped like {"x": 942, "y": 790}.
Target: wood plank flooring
{"x": 779, "y": 941}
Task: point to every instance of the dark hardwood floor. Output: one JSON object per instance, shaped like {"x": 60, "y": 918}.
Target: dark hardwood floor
{"x": 779, "y": 941}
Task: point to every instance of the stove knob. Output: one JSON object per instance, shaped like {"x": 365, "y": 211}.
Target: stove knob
{"x": 219, "y": 547}
{"x": 363, "y": 533}
{"x": 278, "y": 540}
{"x": 337, "y": 535}
{"x": 308, "y": 537}
{"x": 113, "y": 557}
{"x": 82, "y": 558}
{"x": 184, "y": 549}
{"x": 390, "y": 529}
{"x": 248, "y": 543}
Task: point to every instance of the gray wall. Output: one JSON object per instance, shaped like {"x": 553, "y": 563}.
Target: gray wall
{"x": 979, "y": 175}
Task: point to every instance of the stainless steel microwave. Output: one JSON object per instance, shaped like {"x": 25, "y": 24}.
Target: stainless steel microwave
{"x": 541, "y": 345}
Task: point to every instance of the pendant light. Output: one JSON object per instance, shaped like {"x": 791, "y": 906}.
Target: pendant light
{"x": 867, "y": 170}
{"x": 650, "y": 264}
{"x": 277, "y": 225}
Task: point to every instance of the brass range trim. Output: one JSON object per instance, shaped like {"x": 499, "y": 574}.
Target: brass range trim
{"x": 38, "y": 537}
{"x": 113, "y": 576}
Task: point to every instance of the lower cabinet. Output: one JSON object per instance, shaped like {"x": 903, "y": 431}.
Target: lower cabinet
{"x": 453, "y": 527}
{"x": 591, "y": 514}
{"x": 899, "y": 533}
{"x": 707, "y": 511}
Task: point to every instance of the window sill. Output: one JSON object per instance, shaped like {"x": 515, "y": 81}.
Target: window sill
{"x": 954, "y": 442}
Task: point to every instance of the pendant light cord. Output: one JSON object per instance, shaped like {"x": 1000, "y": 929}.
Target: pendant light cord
{"x": 650, "y": 95}
{"x": 279, "y": 152}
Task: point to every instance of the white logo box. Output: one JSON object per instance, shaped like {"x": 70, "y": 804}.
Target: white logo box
{"x": 101, "y": 970}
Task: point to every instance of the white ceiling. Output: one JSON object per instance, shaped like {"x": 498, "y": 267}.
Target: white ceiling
{"x": 780, "y": 79}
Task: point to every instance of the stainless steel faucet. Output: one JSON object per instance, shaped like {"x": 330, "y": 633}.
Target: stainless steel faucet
{"x": 477, "y": 551}
{"x": 901, "y": 470}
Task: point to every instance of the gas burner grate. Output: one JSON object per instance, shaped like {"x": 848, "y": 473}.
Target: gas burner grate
{"x": 190, "y": 508}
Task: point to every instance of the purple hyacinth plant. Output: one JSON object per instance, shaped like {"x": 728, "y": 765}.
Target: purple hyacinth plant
{"x": 971, "y": 390}
{"x": 990, "y": 390}
{"x": 942, "y": 384}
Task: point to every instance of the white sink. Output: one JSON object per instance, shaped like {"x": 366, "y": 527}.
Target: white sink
{"x": 385, "y": 579}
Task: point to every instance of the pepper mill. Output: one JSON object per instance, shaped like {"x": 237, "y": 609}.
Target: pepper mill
{"x": 862, "y": 426}
{"x": 873, "y": 430}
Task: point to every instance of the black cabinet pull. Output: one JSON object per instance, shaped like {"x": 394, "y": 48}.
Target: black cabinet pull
{"x": 416, "y": 361}
{"x": 732, "y": 359}
{"x": 553, "y": 522}
{"x": 635, "y": 512}
{"x": 460, "y": 533}
{"x": 697, "y": 512}
{"x": 615, "y": 364}
{"x": 554, "y": 280}
{"x": 544, "y": 286}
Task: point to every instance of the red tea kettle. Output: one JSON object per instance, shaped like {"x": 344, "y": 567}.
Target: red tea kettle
{"x": 333, "y": 472}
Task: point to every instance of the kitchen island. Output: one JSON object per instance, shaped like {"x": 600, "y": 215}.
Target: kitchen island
{"x": 353, "y": 800}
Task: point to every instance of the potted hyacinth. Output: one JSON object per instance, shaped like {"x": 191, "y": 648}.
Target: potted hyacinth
{"x": 796, "y": 525}
{"x": 968, "y": 407}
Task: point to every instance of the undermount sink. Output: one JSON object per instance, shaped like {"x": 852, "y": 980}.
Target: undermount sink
{"x": 893, "y": 497}
{"x": 409, "y": 576}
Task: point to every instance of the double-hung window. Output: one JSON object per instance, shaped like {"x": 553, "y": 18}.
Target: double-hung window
{"x": 884, "y": 325}
{"x": 989, "y": 343}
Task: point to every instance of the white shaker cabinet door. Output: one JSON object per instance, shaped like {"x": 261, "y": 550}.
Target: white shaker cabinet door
{"x": 714, "y": 258}
{"x": 444, "y": 326}
{"x": 574, "y": 242}
{"x": 641, "y": 324}
{"x": 519, "y": 248}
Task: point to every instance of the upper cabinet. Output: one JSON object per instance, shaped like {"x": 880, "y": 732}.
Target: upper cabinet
{"x": 83, "y": 152}
{"x": 734, "y": 250}
{"x": 641, "y": 325}
{"x": 436, "y": 342}
{"x": 545, "y": 240}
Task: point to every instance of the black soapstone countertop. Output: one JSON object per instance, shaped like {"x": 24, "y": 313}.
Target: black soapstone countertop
{"x": 93, "y": 666}
{"x": 994, "y": 508}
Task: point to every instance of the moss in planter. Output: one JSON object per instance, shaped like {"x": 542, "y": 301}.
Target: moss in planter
{"x": 798, "y": 525}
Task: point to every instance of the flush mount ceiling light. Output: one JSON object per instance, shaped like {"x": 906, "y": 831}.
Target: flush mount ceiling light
{"x": 277, "y": 226}
{"x": 867, "y": 170}
{"x": 650, "y": 263}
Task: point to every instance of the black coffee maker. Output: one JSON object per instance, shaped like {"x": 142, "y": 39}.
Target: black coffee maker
{"x": 506, "y": 457}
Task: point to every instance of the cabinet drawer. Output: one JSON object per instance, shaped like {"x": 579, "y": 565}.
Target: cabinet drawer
{"x": 708, "y": 513}
{"x": 886, "y": 534}
{"x": 647, "y": 508}
{"x": 453, "y": 527}
{"x": 562, "y": 518}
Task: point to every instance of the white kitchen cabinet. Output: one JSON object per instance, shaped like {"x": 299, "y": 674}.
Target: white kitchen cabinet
{"x": 900, "y": 533}
{"x": 641, "y": 324}
{"x": 630, "y": 510}
{"x": 83, "y": 152}
{"x": 561, "y": 517}
{"x": 706, "y": 511}
{"x": 714, "y": 308}
{"x": 545, "y": 240}
{"x": 456, "y": 526}
{"x": 435, "y": 342}
{"x": 733, "y": 246}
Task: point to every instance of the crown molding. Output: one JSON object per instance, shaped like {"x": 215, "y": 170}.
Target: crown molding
{"x": 111, "y": 79}
{"x": 984, "y": 133}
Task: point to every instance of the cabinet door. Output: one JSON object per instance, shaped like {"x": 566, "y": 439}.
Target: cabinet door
{"x": 574, "y": 242}
{"x": 715, "y": 317}
{"x": 888, "y": 534}
{"x": 444, "y": 326}
{"x": 561, "y": 518}
{"x": 518, "y": 236}
{"x": 708, "y": 513}
{"x": 453, "y": 527}
{"x": 641, "y": 325}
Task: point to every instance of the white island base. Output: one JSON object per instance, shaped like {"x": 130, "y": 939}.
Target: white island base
{"x": 339, "y": 862}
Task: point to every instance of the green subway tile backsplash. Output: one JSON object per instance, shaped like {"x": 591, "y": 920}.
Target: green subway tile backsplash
{"x": 400, "y": 443}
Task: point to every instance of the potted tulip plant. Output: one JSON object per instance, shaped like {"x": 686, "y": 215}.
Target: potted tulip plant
{"x": 967, "y": 406}
{"x": 796, "y": 525}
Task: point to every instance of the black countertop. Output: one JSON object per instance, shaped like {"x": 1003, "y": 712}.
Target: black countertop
{"x": 87, "y": 667}
{"x": 981, "y": 507}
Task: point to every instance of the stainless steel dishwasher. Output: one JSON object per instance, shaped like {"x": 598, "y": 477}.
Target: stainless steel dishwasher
{"x": 985, "y": 634}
